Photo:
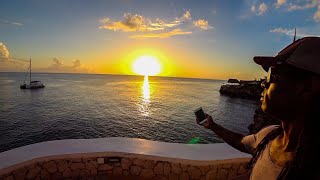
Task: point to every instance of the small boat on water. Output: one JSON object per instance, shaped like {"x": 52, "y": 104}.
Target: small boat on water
{"x": 32, "y": 84}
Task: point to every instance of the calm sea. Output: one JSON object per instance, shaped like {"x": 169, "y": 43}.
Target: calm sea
{"x": 74, "y": 106}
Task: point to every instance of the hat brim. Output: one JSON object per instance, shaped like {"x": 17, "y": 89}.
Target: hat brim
{"x": 265, "y": 61}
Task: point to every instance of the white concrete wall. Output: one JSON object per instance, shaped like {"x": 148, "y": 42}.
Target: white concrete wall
{"x": 128, "y": 149}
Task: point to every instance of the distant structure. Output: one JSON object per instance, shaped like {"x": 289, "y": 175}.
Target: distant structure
{"x": 242, "y": 89}
{"x": 233, "y": 81}
{"x": 295, "y": 34}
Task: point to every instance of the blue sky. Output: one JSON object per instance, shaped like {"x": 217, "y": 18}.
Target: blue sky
{"x": 206, "y": 39}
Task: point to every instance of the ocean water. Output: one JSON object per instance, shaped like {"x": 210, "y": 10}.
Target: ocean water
{"x": 74, "y": 106}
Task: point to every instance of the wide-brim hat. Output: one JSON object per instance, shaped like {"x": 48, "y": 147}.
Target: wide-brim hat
{"x": 303, "y": 53}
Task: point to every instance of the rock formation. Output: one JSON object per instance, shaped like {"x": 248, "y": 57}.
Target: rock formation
{"x": 249, "y": 90}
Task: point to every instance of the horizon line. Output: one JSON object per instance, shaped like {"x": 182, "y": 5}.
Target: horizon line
{"x": 181, "y": 77}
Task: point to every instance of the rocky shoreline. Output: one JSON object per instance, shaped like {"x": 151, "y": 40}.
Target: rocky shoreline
{"x": 249, "y": 90}
{"x": 242, "y": 89}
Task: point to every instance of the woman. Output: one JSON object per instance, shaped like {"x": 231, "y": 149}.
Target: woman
{"x": 292, "y": 95}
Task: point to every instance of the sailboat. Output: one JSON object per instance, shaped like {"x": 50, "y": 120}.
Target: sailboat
{"x": 32, "y": 84}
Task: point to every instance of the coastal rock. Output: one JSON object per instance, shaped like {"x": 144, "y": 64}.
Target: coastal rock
{"x": 261, "y": 120}
{"x": 249, "y": 90}
{"x": 243, "y": 89}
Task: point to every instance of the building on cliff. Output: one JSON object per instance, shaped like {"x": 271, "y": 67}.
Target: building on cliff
{"x": 242, "y": 89}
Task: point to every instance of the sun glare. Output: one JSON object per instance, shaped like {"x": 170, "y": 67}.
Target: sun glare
{"x": 147, "y": 66}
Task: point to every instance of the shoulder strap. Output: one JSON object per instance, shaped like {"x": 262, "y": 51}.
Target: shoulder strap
{"x": 261, "y": 146}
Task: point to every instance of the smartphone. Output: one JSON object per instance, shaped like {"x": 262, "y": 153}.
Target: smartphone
{"x": 200, "y": 115}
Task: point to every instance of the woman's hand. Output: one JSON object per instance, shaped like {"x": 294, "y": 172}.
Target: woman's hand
{"x": 208, "y": 123}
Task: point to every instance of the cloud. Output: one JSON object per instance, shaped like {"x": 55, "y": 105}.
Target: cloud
{"x": 10, "y": 22}
{"x": 279, "y": 3}
{"x": 201, "y": 23}
{"x": 57, "y": 62}
{"x": 58, "y": 66}
{"x": 162, "y": 25}
{"x": 76, "y": 63}
{"x": 253, "y": 8}
{"x": 4, "y": 53}
{"x": 9, "y": 63}
{"x": 290, "y": 32}
{"x": 185, "y": 16}
{"x": 142, "y": 27}
{"x": 262, "y": 9}
{"x": 132, "y": 23}
{"x": 316, "y": 15}
{"x": 308, "y": 5}
{"x": 129, "y": 23}
{"x": 161, "y": 35}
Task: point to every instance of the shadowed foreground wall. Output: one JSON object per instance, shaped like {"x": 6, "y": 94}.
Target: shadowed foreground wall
{"x": 126, "y": 157}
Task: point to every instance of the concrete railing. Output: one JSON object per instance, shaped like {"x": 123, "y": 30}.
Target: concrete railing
{"x": 137, "y": 158}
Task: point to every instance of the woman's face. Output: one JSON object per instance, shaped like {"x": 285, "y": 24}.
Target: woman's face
{"x": 279, "y": 96}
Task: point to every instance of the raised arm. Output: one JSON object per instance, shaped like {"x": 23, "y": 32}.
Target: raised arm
{"x": 232, "y": 138}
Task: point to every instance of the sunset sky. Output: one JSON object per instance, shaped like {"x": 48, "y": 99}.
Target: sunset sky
{"x": 189, "y": 38}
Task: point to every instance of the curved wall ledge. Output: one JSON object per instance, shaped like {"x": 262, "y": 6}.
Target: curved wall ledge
{"x": 121, "y": 157}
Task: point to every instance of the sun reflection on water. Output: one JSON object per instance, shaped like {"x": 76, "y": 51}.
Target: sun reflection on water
{"x": 145, "y": 97}
{"x": 146, "y": 90}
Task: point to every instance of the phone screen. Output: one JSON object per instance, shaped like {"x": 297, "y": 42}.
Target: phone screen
{"x": 200, "y": 114}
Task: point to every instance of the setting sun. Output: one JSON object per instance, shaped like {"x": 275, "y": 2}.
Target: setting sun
{"x": 147, "y": 66}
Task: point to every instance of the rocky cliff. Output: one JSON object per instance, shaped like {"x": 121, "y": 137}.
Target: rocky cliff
{"x": 250, "y": 90}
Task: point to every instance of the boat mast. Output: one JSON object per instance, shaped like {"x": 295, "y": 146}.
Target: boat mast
{"x": 30, "y": 71}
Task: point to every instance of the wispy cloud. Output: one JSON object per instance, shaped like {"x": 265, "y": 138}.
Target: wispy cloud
{"x": 186, "y": 16}
{"x": 304, "y": 5}
{"x": 4, "y": 21}
{"x": 259, "y": 10}
{"x": 290, "y": 32}
{"x": 4, "y": 53}
{"x": 161, "y": 35}
{"x": 7, "y": 62}
{"x": 58, "y": 66}
{"x": 316, "y": 15}
{"x": 203, "y": 24}
{"x": 131, "y": 23}
{"x": 280, "y": 3}
{"x": 262, "y": 9}
{"x": 144, "y": 27}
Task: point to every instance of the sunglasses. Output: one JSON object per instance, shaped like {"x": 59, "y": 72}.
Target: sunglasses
{"x": 272, "y": 76}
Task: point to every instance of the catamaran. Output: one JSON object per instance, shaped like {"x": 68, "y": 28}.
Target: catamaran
{"x": 32, "y": 84}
